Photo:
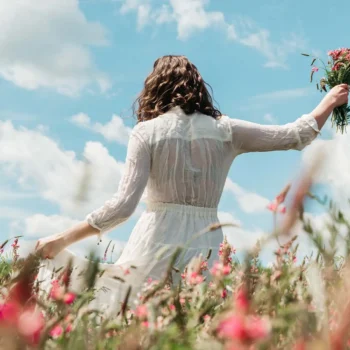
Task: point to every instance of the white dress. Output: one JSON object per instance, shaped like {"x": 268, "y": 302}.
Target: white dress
{"x": 182, "y": 161}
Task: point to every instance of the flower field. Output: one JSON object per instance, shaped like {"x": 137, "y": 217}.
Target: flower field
{"x": 230, "y": 305}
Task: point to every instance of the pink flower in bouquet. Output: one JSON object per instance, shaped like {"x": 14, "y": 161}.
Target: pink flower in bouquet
{"x": 314, "y": 69}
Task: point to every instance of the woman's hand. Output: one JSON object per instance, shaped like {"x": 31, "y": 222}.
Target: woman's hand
{"x": 338, "y": 96}
{"x": 50, "y": 246}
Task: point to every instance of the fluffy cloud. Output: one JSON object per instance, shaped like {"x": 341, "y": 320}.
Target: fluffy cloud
{"x": 269, "y": 118}
{"x": 191, "y": 16}
{"x": 46, "y": 44}
{"x": 57, "y": 175}
{"x": 335, "y": 167}
{"x": 239, "y": 237}
{"x": 249, "y": 202}
{"x": 115, "y": 130}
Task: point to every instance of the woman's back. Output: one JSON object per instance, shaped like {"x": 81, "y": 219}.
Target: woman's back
{"x": 190, "y": 158}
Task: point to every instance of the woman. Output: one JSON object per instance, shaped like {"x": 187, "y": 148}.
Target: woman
{"x": 181, "y": 151}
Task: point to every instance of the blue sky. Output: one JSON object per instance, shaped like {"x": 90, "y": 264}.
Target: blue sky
{"x": 71, "y": 70}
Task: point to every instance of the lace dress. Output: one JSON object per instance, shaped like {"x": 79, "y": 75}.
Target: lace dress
{"x": 182, "y": 161}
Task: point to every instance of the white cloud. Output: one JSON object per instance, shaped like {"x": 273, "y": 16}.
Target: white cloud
{"x": 249, "y": 202}
{"x": 335, "y": 169}
{"x": 269, "y": 118}
{"x": 40, "y": 165}
{"x": 282, "y": 94}
{"x": 191, "y": 16}
{"x": 46, "y": 45}
{"x": 275, "y": 53}
{"x": 239, "y": 237}
{"x": 114, "y": 130}
{"x": 7, "y": 212}
{"x": 40, "y": 225}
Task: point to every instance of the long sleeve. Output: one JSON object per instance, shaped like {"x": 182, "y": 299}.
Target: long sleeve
{"x": 130, "y": 190}
{"x": 252, "y": 137}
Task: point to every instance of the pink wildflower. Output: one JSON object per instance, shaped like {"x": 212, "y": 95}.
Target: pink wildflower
{"x": 206, "y": 318}
{"x": 69, "y": 298}
{"x": 241, "y": 301}
{"x": 219, "y": 269}
{"x": 224, "y": 293}
{"x": 244, "y": 329}
{"x": 196, "y": 278}
{"x": 172, "y": 307}
{"x": 314, "y": 69}
{"x": 145, "y": 324}
{"x": 30, "y": 324}
{"x": 69, "y": 328}
{"x": 9, "y": 313}
{"x": 141, "y": 311}
{"x": 275, "y": 207}
{"x": 56, "y": 331}
{"x": 57, "y": 291}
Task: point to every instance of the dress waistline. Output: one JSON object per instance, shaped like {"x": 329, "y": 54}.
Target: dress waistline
{"x": 180, "y": 208}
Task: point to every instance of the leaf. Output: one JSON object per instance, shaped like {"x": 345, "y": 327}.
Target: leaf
{"x": 318, "y": 87}
{"x": 305, "y": 54}
{"x": 312, "y": 74}
{"x": 313, "y": 61}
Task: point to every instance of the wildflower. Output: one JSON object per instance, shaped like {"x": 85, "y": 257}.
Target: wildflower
{"x": 314, "y": 69}
{"x": 241, "y": 301}
{"x": 69, "y": 328}
{"x": 9, "y": 313}
{"x": 225, "y": 252}
{"x": 274, "y": 206}
{"x": 219, "y": 270}
{"x": 141, "y": 311}
{"x": 69, "y": 298}
{"x": 145, "y": 324}
{"x": 56, "y": 331}
{"x": 57, "y": 291}
{"x": 224, "y": 293}
{"x": 206, "y": 318}
{"x": 30, "y": 324}
{"x": 244, "y": 329}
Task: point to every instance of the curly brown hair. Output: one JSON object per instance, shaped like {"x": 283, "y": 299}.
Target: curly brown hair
{"x": 175, "y": 81}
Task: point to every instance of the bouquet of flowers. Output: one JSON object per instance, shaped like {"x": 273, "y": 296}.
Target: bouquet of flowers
{"x": 337, "y": 71}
